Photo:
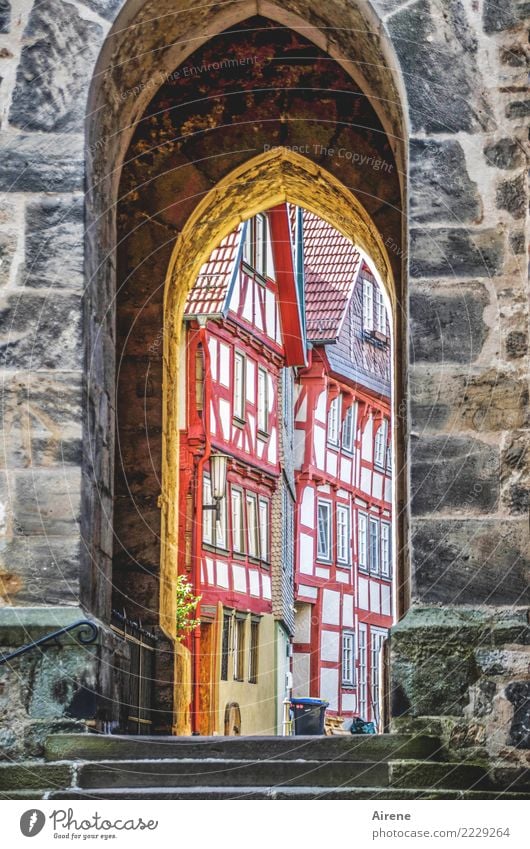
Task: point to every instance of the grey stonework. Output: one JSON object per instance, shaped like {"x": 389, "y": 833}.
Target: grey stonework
{"x": 463, "y": 404}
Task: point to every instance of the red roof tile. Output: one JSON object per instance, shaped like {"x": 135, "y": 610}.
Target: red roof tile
{"x": 331, "y": 264}
{"x": 208, "y": 296}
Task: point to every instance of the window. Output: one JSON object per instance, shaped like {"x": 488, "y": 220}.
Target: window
{"x": 213, "y": 532}
{"x": 368, "y": 306}
{"x": 252, "y": 525}
{"x": 389, "y": 458}
{"x": 239, "y": 386}
{"x": 377, "y": 639}
{"x": 374, "y": 546}
{"x": 288, "y": 401}
{"x": 343, "y": 533}
{"x": 324, "y": 530}
{"x": 263, "y": 401}
{"x": 225, "y": 646}
{"x": 380, "y": 445}
{"x": 208, "y": 515}
{"x": 348, "y": 659}
{"x": 239, "y": 647}
{"x": 363, "y": 542}
{"x": 386, "y": 550}
{"x": 363, "y": 673}
{"x": 380, "y": 312}
{"x": 238, "y": 525}
{"x": 348, "y": 428}
{"x": 255, "y": 246}
{"x": 264, "y": 529}
{"x": 333, "y": 421}
{"x": 253, "y": 651}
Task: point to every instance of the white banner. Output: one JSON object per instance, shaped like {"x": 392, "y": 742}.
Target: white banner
{"x": 196, "y": 824}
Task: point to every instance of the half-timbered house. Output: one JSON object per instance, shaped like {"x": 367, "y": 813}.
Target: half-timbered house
{"x": 343, "y": 479}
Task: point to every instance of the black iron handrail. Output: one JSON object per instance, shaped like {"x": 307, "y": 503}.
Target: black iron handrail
{"x": 88, "y": 634}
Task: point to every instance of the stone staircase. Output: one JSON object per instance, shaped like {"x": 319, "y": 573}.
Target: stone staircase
{"x": 387, "y": 766}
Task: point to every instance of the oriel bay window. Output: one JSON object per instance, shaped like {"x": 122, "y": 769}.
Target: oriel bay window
{"x": 324, "y": 530}
{"x": 343, "y": 534}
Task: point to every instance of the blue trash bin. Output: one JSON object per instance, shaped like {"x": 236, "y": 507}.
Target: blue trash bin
{"x": 308, "y": 716}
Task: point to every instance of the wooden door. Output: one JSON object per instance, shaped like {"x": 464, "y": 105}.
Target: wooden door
{"x": 207, "y": 681}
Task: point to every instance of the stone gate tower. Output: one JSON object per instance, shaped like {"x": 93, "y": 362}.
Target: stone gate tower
{"x": 99, "y": 190}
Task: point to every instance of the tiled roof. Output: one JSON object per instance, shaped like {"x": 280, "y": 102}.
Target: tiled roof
{"x": 331, "y": 264}
{"x": 208, "y": 296}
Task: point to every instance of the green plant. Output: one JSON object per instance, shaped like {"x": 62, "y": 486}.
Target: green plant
{"x": 187, "y": 604}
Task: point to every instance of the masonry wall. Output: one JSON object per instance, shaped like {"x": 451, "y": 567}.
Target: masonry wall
{"x": 463, "y": 374}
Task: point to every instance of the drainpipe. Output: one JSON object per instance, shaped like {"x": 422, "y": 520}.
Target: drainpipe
{"x": 198, "y": 526}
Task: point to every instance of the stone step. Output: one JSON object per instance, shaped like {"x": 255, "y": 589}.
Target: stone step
{"x": 33, "y": 775}
{"x": 458, "y": 776}
{"x": 276, "y": 793}
{"x": 352, "y": 747}
{"x": 234, "y": 773}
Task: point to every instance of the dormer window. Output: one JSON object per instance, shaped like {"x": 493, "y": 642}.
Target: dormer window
{"x": 374, "y": 313}
{"x": 255, "y": 246}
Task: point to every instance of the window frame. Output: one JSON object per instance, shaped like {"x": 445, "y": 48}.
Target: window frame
{"x": 380, "y": 312}
{"x": 264, "y": 529}
{"x": 253, "y": 532}
{"x": 323, "y": 502}
{"x": 225, "y": 644}
{"x": 336, "y": 407}
{"x": 238, "y": 411}
{"x": 210, "y": 520}
{"x": 380, "y": 444}
{"x": 374, "y": 562}
{"x": 368, "y": 305}
{"x": 343, "y": 510}
{"x": 386, "y": 543}
{"x": 238, "y": 646}
{"x": 351, "y": 680}
{"x": 237, "y": 490}
{"x": 262, "y": 373}
{"x": 253, "y": 654}
{"x": 362, "y": 531}
{"x": 363, "y": 682}
{"x": 351, "y": 416}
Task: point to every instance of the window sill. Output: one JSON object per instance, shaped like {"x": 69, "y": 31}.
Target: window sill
{"x": 263, "y": 435}
{"x": 238, "y": 422}
{"x": 239, "y": 555}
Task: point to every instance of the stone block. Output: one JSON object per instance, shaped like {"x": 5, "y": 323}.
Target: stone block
{"x": 516, "y": 345}
{"x": 446, "y": 95}
{"x": 54, "y": 243}
{"x": 447, "y": 324}
{"x": 440, "y": 185}
{"x": 41, "y": 163}
{"x": 106, "y": 8}
{"x": 503, "y": 661}
{"x": 505, "y": 153}
{"x": 10, "y": 238}
{"x": 41, "y": 420}
{"x": 60, "y": 49}
{"x": 461, "y": 562}
{"x": 444, "y": 252}
{"x": 40, "y": 332}
{"x": 512, "y": 196}
{"x": 35, "y": 776}
{"x": 46, "y": 502}
{"x": 453, "y": 473}
{"x": 497, "y": 17}
{"x": 518, "y": 693}
{"x": 5, "y": 16}
{"x": 35, "y": 571}
{"x": 518, "y": 109}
